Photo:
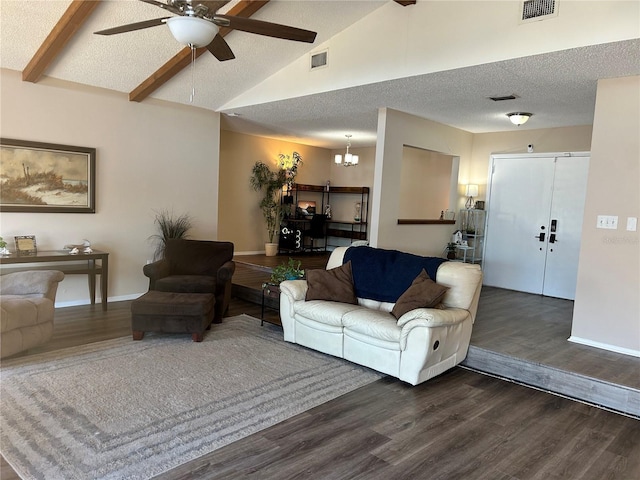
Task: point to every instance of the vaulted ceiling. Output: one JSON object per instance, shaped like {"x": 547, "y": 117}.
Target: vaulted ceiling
{"x": 56, "y": 39}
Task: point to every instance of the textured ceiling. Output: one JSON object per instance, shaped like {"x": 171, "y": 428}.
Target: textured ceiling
{"x": 559, "y": 87}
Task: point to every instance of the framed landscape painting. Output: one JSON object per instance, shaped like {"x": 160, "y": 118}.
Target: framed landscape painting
{"x": 45, "y": 177}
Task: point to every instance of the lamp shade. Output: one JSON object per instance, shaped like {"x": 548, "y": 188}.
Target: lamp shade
{"x": 192, "y": 30}
{"x": 472, "y": 190}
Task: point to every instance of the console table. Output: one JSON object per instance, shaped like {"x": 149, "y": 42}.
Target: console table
{"x": 54, "y": 256}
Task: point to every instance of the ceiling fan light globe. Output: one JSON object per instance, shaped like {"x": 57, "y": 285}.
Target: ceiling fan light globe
{"x": 192, "y": 31}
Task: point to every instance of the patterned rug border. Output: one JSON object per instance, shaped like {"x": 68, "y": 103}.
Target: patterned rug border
{"x": 157, "y": 447}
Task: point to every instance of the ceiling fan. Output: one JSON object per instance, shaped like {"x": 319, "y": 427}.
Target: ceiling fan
{"x": 197, "y": 25}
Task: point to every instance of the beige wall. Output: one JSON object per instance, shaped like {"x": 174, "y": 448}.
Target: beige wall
{"x": 150, "y": 156}
{"x": 425, "y": 183}
{"x": 607, "y": 306}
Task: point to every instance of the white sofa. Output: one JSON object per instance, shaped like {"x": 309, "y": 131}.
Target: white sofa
{"x": 419, "y": 345}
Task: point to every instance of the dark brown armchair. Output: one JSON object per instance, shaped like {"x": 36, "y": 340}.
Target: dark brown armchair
{"x": 195, "y": 266}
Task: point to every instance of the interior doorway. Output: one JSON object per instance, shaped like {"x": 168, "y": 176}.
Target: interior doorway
{"x": 534, "y": 222}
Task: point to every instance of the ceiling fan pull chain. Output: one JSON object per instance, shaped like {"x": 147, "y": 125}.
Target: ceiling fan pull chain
{"x": 193, "y": 76}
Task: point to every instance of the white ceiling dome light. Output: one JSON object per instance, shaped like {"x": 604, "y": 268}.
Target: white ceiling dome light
{"x": 519, "y": 118}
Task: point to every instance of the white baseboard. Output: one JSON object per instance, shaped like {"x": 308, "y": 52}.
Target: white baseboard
{"x": 257, "y": 252}
{"x": 120, "y": 298}
{"x": 604, "y": 346}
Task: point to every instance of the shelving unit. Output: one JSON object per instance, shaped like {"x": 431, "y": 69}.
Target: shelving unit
{"x": 336, "y": 227}
{"x": 472, "y": 224}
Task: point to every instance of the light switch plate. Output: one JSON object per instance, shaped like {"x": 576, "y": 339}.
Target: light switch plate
{"x": 632, "y": 224}
{"x": 607, "y": 221}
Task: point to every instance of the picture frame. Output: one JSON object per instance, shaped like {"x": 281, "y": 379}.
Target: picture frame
{"x": 25, "y": 244}
{"x": 47, "y": 177}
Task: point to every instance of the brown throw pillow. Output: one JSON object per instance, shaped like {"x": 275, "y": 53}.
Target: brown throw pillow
{"x": 423, "y": 293}
{"x": 335, "y": 285}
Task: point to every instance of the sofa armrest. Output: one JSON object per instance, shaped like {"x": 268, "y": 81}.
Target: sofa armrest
{"x": 295, "y": 289}
{"x": 32, "y": 282}
{"x": 225, "y": 272}
{"x": 432, "y": 317}
{"x": 291, "y": 291}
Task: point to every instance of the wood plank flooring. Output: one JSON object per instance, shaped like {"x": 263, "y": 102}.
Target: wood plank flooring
{"x": 523, "y": 337}
{"x": 460, "y": 425}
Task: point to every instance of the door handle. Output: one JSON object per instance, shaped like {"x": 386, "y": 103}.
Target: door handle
{"x": 541, "y": 236}
{"x": 552, "y": 238}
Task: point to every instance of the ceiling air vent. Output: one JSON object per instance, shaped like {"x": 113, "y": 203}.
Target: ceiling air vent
{"x": 503, "y": 98}
{"x": 538, "y": 10}
{"x": 319, "y": 60}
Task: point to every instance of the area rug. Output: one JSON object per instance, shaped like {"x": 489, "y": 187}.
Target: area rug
{"x": 123, "y": 409}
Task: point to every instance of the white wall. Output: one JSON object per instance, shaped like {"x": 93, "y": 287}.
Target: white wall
{"x": 607, "y": 306}
{"x": 150, "y": 156}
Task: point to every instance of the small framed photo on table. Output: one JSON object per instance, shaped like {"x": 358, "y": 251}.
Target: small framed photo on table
{"x": 26, "y": 245}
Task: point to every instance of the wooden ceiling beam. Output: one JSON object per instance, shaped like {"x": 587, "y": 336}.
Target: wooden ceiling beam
{"x": 244, "y": 8}
{"x": 67, "y": 26}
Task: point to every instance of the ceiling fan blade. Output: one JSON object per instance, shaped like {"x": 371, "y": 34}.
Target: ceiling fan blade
{"x": 220, "y": 49}
{"x": 164, "y": 5}
{"x": 265, "y": 28}
{"x": 133, "y": 26}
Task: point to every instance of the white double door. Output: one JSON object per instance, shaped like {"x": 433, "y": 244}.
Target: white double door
{"x": 534, "y": 222}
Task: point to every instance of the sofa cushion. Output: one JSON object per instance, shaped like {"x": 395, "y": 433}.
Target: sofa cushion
{"x": 322, "y": 311}
{"x": 373, "y": 323}
{"x": 335, "y": 285}
{"x": 423, "y": 293}
{"x": 384, "y": 275}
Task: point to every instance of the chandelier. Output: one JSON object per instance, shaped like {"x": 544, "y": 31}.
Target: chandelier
{"x": 350, "y": 160}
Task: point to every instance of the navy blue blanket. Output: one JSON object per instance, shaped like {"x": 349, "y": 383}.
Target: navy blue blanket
{"x": 384, "y": 275}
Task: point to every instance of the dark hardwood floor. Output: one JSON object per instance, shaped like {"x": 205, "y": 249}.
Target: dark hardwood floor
{"x": 460, "y": 425}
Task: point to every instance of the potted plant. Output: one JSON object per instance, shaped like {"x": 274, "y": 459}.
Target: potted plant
{"x": 169, "y": 226}
{"x": 270, "y": 184}
{"x": 291, "y": 270}
{"x": 3, "y": 247}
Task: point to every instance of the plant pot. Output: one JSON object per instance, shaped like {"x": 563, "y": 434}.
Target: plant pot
{"x": 271, "y": 249}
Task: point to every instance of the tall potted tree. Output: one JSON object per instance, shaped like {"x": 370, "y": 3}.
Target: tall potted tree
{"x": 270, "y": 184}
